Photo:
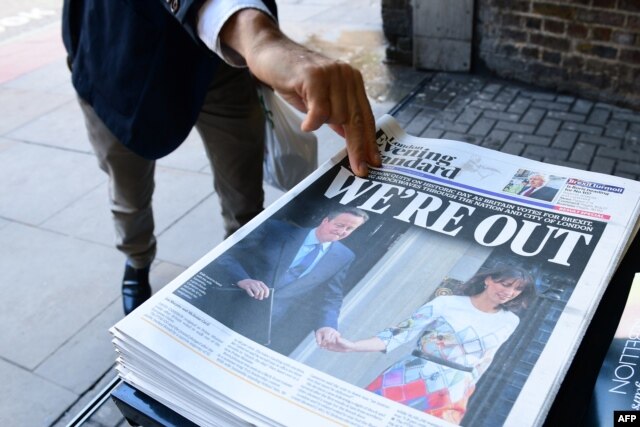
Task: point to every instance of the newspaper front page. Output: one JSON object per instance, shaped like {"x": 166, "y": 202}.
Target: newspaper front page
{"x": 451, "y": 286}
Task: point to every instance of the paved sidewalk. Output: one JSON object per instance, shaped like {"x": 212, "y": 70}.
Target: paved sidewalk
{"x": 60, "y": 272}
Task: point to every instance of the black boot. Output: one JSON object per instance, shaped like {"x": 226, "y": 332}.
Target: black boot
{"x": 135, "y": 288}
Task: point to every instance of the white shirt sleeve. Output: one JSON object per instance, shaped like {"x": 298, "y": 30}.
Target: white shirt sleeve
{"x": 212, "y": 16}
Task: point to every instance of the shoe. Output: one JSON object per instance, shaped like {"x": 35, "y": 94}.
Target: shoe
{"x": 135, "y": 288}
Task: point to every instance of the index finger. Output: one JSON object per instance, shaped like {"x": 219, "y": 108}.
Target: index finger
{"x": 359, "y": 129}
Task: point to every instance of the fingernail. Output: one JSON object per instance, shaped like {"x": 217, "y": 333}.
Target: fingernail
{"x": 377, "y": 158}
{"x": 363, "y": 168}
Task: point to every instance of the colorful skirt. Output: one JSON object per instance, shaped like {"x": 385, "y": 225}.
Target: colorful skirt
{"x": 429, "y": 387}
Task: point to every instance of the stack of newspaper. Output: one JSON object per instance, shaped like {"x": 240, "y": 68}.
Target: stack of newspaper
{"x": 452, "y": 285}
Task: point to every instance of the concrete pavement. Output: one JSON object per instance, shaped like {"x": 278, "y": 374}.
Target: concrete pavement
{"x": 60, "y": 272}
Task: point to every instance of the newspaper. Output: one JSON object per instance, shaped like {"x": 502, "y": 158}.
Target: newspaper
{"x": 618, "y": 385}
{"x": 451, "y": 286}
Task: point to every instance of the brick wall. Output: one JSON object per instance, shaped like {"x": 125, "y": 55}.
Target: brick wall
{"x": 590, "y": 48}
{"x": 587, "y": 47}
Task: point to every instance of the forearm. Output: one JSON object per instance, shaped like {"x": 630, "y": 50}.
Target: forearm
{"x": 328, "y": 91}
{"x": 229, "y": 269}
{"x": 331, "y": 302}
{"x": 369, "y": 345}
{"x": 249, "y": 29}
{"x": 266, "y": 50}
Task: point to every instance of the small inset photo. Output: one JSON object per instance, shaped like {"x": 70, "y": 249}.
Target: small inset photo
{"x": 534, "y": 185}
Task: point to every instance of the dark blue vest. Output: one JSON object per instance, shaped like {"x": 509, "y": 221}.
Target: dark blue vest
{"x": 141, "y": 66}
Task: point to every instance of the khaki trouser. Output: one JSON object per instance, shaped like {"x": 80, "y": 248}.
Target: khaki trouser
{"x": 231, "y": 125}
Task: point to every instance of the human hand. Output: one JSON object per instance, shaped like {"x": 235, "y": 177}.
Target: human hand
{"x": 341, "y": 345}
{"x": 254, "y": 288}
{"x": 326, "y": 336}
{"x": 328, "y": 91}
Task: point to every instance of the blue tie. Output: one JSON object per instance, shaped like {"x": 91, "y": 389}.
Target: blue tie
{"x": 296, "y": 270}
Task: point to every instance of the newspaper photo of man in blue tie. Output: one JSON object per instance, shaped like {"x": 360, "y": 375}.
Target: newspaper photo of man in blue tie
{"x": 301, "y": 269}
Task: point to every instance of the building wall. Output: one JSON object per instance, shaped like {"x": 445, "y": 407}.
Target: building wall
{"x": 587, "y": 47}
{"x": 590, "y": 48}
{"x": 398, "y": 30}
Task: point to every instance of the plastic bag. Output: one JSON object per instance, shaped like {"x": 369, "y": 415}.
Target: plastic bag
{"x": 290, "y": 154}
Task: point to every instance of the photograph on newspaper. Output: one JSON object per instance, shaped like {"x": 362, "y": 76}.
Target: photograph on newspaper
{"x": 435, "y": 296}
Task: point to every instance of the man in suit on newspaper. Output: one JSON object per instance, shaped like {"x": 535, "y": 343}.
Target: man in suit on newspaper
{"x": 304, "y": 266}
{"x": 536, "y": 189}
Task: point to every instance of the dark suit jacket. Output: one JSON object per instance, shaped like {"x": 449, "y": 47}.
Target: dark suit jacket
{"x": 306, "y": 304}
{"x": 544, "y": 193}
{"x": 142, "y": 67}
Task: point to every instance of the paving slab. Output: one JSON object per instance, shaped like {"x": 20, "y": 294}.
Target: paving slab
{"x": 20, "y": 17}
{"x": 86, "y": 355}
{"x": 63, "y": 127}
{"x": 190, "y": 156}
{"x": 21, "y": 106}
{"x": 51, "y": 78}
{"x": 38, "y": 181}
{"x": 106, "y": 416}
{"x": 87, "y": 218}
{"x": 287, "y": 5}
{"x": 177, "y": 192}
{"x": 26, "y": 400}
{"x": 194, "y": 235}
{"x": 162, "y": 273}
{"x": 90, "y": 355}
{"x": 347, "y": 16}
{"x": 52, "y": 286}
{"x": 30, "y": 51}
{"x": 294, "y": 14}
{"x": 299, "y": 13}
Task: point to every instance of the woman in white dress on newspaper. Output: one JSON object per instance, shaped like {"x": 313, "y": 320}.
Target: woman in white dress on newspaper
{"x": 457, "y": 339}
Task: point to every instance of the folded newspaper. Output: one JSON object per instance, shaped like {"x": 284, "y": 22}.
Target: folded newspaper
{"x": 450, "y": 286}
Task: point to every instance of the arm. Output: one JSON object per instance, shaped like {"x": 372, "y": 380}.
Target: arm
{"x": 332, "y": 295}
{"x": 328, "y": 91}
{"x": 390, "y": 338}
{"x": 239, "y": 269}
{"x": 343, "y": 345}
{"x": 329, "y": 306}
{"x": 386, "y": 340}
